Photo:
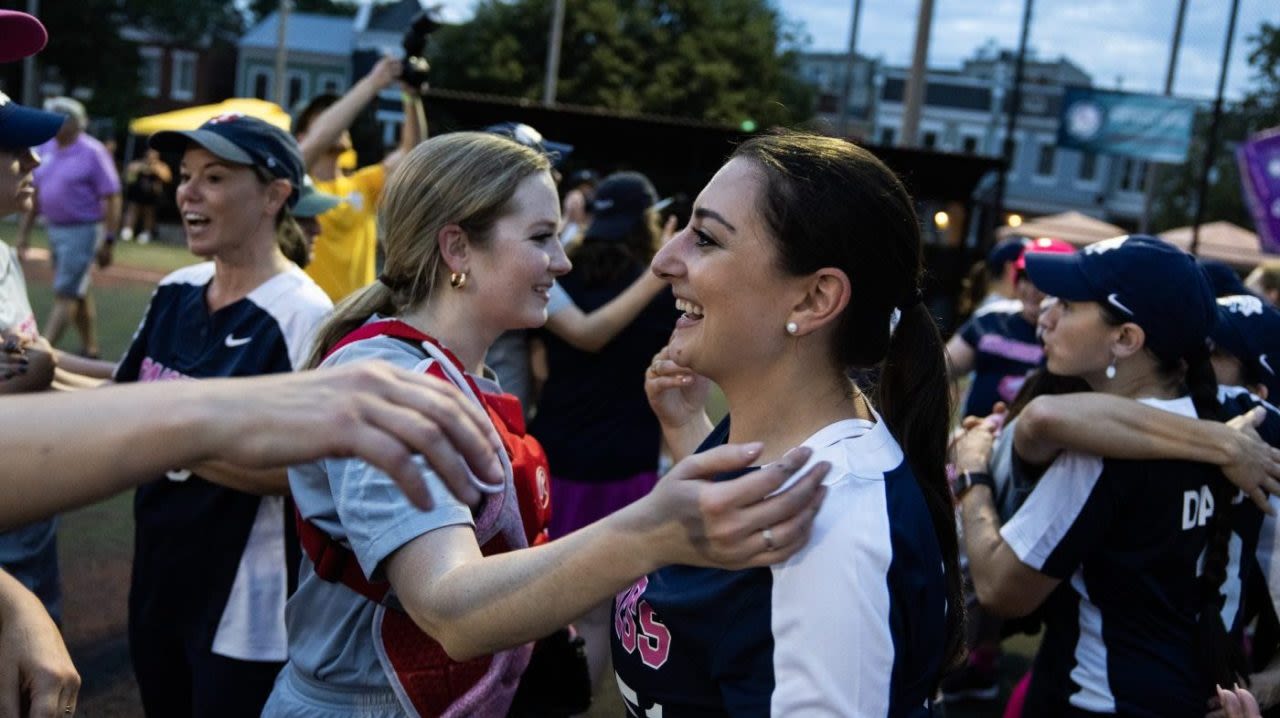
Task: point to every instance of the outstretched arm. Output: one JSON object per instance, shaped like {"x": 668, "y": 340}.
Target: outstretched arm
{"x": 475, "y": 605}
{"x": 590, "y": 332}
{"x": 1112, "y": 426}
{"x": 129, "y": 434}
{"x": 328, "y": 125}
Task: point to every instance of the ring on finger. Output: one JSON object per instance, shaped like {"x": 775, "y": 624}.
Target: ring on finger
{"x": 767, "y": 534}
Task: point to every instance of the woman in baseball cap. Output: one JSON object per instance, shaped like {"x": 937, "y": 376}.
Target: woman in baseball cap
{"x": 210, "y": 576}
{"x": 1132, "y": 318}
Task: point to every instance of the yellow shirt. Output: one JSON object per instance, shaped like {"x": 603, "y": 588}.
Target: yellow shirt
{"x": 347, "y": 248}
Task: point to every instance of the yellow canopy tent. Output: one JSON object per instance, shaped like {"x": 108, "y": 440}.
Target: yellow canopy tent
{"x": 189, "y": 118}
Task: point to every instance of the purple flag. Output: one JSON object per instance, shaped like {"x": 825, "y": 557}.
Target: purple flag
{"x": 1259, "y": 160}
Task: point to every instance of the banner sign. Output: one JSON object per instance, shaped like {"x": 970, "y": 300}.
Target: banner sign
{"x": 1259, "y": 160}
{"x": 1145, "y": 127}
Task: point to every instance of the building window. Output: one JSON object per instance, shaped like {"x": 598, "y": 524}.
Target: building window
{"x": 330, "y": 83}
{"x": 261, "y": 80}
{"x": 182, "y": 78}
{"x": 970, "y": 145}
{"x": 887, "y": 136}
{"x": 930, "y": 140}
{"x": 149, "y": 73}
{"x": 296, "y": 90}
{"x": 1133, "y": 175}
{"x": 1088, "y": 167}
{"x": 1045, "y": 160}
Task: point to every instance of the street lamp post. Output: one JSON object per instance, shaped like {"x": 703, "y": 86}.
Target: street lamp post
{"x": 1012, "y": 109}
{"x": 1211, "y": 150}
{"x": 553, "y": 54}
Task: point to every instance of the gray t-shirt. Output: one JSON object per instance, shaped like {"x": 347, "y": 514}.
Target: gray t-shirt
{"x": 330, "y": 626}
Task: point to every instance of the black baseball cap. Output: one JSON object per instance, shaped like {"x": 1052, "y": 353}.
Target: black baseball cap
{"x": 619, "y": 205}
{"x": 242, "y": 140}
{"x": 1249, "y": 329}
{"x": 1141, "y": 279}
{"x": 22, "y": 127}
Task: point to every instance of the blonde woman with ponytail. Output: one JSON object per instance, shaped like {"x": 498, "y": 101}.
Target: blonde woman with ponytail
{"x": 407, "y": 612}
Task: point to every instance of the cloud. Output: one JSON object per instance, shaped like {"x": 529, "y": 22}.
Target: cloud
{"x": 1110, "y": 39}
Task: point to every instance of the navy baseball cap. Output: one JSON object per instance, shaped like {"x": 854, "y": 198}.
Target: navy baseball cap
{"x": 1004, "y": 252}
{"x": 242, "y": 140}
{"x": 1140, "y": 279}
{"x": 529, "y": 137}
{"x": 1249, "y": 329}
{"x": 22, "y": 127}
{"x": 1223, "y": 279}
{"x": 619, "y": 205}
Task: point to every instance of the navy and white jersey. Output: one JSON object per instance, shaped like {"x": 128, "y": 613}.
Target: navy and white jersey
{"x": 851, "y": 625}
{"x": 208, "y": 558}
{"x": 1126, "y": 537}
{"x": 1253, "y": 581}
{"x": 1005, "y": 349}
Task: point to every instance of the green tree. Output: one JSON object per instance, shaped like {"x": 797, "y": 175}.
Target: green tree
{"x": 1259, "y": 109}
{"x": 716, "y": 60}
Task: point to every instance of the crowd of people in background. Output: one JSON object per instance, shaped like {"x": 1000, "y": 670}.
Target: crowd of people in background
{"x": 483, "y": 473}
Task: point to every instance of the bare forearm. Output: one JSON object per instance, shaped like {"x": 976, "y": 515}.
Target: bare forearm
{"x": 591, "y": 332}
{"x": 414, "y": 130}
{"x": 1116, "y": 427}
{"x": 24, "y": 224}
{"x": 262, "y": 482}
{"x": 111, "y": 211}
{"x": 90, "y": 368}
{"x": 684, "y": 440}
{"x": 118, "y": 442}
{"x": 328, "y": 125}
{"x": 491, "y": 603}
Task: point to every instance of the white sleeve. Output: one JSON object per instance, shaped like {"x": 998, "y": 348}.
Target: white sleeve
{"x": 833, "y": 651}
{"x": 560, "y": 299}
{"x": 1050, "y": 512}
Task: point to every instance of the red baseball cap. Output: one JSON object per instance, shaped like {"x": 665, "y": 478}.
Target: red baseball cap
{"x": 21, "y": 35}
{"x": 1043, "y": 244}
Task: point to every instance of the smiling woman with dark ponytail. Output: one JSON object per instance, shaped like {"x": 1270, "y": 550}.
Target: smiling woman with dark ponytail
{"x": 800, "y": 267}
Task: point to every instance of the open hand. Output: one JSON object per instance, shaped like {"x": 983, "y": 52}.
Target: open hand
{"x": 1255, "y": 469}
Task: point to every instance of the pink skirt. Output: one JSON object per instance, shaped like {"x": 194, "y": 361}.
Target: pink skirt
{"x": 575, "y": 504}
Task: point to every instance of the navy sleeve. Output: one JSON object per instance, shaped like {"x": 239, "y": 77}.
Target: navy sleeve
{"x": 130, "y": 366}
{"x": 1065, "y": 518}
{"x": 971, "y": 332}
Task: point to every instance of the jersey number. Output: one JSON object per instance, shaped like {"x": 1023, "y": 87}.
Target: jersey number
{"x": 638, "y": 627}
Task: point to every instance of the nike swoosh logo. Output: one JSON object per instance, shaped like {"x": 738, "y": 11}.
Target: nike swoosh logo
{"x": 1115, "y": 301}
{"x": 232, "y": 342}
{"x": 1262, "y": 359}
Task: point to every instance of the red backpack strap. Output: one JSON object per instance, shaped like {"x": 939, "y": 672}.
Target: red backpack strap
{"x": 336, "y": 563}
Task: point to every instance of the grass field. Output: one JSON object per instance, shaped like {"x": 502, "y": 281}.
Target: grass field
{"x": 96, "y": 543}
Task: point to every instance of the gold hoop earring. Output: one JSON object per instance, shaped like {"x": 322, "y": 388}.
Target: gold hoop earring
{"x": 458, "y": 280}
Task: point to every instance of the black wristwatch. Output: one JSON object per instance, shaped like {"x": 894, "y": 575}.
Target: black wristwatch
{"x": 966, "y": 480}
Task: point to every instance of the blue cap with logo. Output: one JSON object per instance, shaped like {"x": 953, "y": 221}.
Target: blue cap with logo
{"x": 242, "y": 140}
{"x": 22, "y": 127}
{"x": 1249, "y": 329}
{"x": 529, "y": 137}
{"x": 1139, "y": 279}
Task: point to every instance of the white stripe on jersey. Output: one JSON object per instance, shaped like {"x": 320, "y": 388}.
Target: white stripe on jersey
{"x": 833, "y": 651}
{"x": 1052, "y": 507}
{"x": 1090, "y": 672}
{"x": 246, "y": 631}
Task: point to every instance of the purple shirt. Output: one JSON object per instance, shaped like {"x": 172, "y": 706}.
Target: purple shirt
{"x": 72, "y": 181}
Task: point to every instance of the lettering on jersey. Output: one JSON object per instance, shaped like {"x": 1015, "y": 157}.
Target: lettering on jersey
{"x": 1197, "y": 508}
{"x": 638, "y": 627}
{"x": 152, "y": 370}
{"x": 1008, "y": 348}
